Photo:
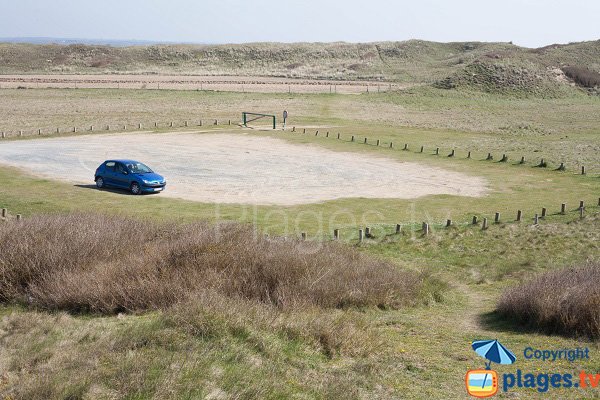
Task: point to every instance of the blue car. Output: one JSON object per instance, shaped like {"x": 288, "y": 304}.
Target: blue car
{"x": 129, "y": 174}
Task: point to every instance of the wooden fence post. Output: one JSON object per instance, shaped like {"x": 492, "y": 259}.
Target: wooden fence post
{"x": 581, "y": 210}
{"x": 18, "y": 217}
{"x": 352, "y": 138}
{"x": 425, "y": 228}
{"x": 421, "y": 149}
{"x": 563, "y": 208}
{"x": 140, "y": 125}
{"x": 399, "y": 227}
{"x": 469, "y": 155}
{"x": 522, "y": 160}
{"x": 293, "y": 129}
{"x": 497, "y": 218}
{"x": 437, "y": 151}
{"x": 360, "y": 235}
{"x": 405, "y": 146}
{"x": 303, "y": 235}
{"x": 581, "y": 204}
{"x": 365, "y": 140}
{"x": 536, "y": 219}
{"x": 484, "y": 226}
{"x": 338, "y": 135}
{"x": 377, "y": 142}
{"x": 4, "y": 212}
{"x": 451, "y": 153}
{"x": 448, "y": 223}
{"x": 474, "y": 222}
{"x": 544, "y": 211}
{"x": 582, "y": 170}
{"x": 519, "y": 215}
{"x": 391, "y": 145}
{"x": 40, "y": 131}
{"x": 367, "y": 232}
{"x": 336, "y": 234}
{"x": 3, "y": 135}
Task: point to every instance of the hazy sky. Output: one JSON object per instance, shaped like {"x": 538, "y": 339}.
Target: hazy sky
{"x": 529, "y": 23}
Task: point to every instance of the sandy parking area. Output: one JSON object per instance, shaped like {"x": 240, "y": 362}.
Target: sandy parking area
{"x": 197, "y": 82}
{"x": 239, "y": 168}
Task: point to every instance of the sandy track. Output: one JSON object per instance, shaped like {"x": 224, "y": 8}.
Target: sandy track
{"x": 240, "y": 168}
{"x": 175, "y": 82}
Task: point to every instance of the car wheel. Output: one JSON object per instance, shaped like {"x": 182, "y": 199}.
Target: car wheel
{"x": 135, "y": 188}
{"x": 99, "y": 182}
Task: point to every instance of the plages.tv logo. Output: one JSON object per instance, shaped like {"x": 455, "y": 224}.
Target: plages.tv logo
{"x": 484, "y": 382}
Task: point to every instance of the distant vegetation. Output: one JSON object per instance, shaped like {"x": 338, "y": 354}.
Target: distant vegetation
{"x": 583, "y": 76}
{"x": 491, "y": 67}
{"x": 563, "y": 301}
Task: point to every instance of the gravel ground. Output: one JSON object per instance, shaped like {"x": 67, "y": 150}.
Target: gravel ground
{"x": 239, "y": 168}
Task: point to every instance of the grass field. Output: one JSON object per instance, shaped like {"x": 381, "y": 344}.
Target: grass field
{"x": 417, "y": 351}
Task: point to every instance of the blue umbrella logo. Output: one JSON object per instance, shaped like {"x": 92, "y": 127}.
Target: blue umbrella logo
{"x": 493, "y": 351}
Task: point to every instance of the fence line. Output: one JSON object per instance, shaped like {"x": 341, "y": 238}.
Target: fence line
{"x": 120, "y": 127}
{"x": 427, "y": 227}
{"x": 505, "y": 159}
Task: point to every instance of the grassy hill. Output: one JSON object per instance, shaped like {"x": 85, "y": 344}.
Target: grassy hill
{"x": 414, "y": 61}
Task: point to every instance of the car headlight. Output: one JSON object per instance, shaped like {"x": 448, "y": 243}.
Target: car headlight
{"x": 145, "y": 181}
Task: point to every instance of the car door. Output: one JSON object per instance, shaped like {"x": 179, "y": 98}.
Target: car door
{"x": 121, "y": 176}
{"x": 108, "y": 173}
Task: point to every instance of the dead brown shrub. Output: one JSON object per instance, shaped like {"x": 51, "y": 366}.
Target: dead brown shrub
{"x": 564, "y": 301}
{"x": 102, "y": 264}
{"x": 583, "y": 76}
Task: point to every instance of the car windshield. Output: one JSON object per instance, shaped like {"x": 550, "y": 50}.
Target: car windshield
{"x": 138, "y": 168}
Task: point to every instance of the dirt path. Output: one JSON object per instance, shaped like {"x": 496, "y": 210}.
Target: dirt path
{"x": 183, "y": 82}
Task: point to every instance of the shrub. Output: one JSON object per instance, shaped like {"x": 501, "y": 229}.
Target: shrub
{"x": 564, "y": 301}
{"x": 583, "y": 76}
{"x": 102, "y": 264}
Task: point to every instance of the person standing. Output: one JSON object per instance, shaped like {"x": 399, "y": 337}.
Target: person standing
{"x": 285, "y": 115}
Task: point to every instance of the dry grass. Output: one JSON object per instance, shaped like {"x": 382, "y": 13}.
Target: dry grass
{"x": 583, "y": 76}
{"x": 102, "y": 264}
{"x": 564, "y": 301}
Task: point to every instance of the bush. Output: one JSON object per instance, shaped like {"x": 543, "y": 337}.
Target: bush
{"x": 583, "y": 76}
{"x": 564, "y": 301}
{"x": 101, "y": 264}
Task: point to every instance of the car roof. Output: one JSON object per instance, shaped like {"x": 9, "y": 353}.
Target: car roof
{"x": 124, "y": 161}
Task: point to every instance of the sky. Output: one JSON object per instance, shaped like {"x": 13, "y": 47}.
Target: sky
{"x": 530, "y": 23}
